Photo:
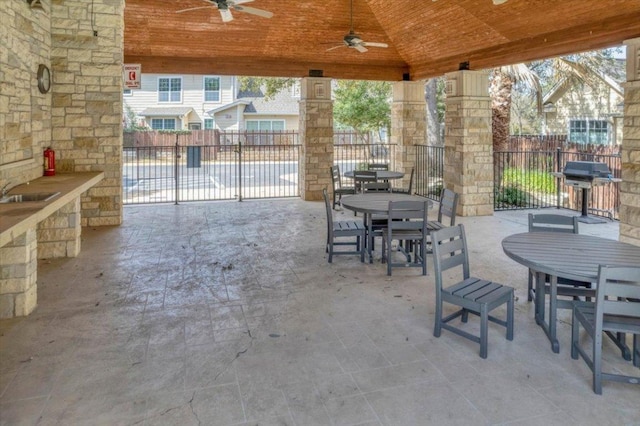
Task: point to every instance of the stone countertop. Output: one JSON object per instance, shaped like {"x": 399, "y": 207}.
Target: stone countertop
{"x": 17, "y": 218}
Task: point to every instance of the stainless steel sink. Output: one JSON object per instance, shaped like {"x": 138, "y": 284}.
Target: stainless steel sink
{"x": 23, "y": 198}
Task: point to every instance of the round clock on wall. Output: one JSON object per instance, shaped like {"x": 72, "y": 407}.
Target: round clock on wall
{"x": 44, "y": 78}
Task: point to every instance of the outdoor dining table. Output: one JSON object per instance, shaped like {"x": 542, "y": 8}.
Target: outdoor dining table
{"x": 376, "y": 203}
{"x": 572, "y": 256}
{"x": 381, "y": 174}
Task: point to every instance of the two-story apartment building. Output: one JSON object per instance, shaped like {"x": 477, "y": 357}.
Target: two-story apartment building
{"x": 588, "y": 111}
{"x": 176, "y": 102}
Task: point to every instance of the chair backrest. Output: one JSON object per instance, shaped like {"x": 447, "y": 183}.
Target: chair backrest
{"x": 335, "y": 177}
{"x": 448, "y": 206}
{"x": 410, "y": 189}
{"x": 378, "y": 166}
{"x": 407, "y": 215}
{"x": 363, "y": 177}
{"x": 618, "y": 293}
{"x": 449, "y": 251}
{"x": 553, "y": 223}
{"x": 327, "y": 205}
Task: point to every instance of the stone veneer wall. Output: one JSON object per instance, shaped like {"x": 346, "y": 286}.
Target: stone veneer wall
{"x": 18, "y": 267}
{"x": 316, "y": 136}
{"x": 630, "y": 186}
{"x": 25, "y": 113}
{"x": 468, "y": 158}
{"x": 87, "y": 42}
{"x": 408, "y": 126}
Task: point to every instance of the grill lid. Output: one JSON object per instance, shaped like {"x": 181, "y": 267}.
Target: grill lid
{"x": 586, "y": 169}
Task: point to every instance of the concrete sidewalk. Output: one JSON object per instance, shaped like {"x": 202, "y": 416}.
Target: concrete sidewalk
{"x": 228, "y": 313}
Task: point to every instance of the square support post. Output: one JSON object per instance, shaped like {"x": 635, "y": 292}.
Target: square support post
{"x": 630, "y": 186}
{"x": 408, "y": 125}
{"x": 316, "y": 135}
{"x": 468, "y": 158}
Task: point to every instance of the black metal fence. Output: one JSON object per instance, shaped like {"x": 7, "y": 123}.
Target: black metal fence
{"x": 358, "y": 156}
{"x": 199, "y": 172}
{"x": 429, "y": 176}
{"x": 524, "y": 180}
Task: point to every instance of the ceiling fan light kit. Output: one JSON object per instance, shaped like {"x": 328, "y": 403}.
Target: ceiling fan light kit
{"x": 354, "y": 41}
{"x": 225, "y": 7}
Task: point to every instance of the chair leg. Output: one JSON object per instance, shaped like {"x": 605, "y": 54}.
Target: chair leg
{"x": 597, "y": 364}
{"x": 437, "y": 328}
{"x": 636, "y": 350}
{"x": 484, "y": 330}
{"x": 575, "y": 335}
{"x": 331, "y": 252}
{"x": 510, "y": 309}
{"x": 465, "y": 315}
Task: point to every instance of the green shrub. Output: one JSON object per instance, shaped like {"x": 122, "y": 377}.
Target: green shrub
{"x": 512, "y": 196}
{"x": 529, "y": 180}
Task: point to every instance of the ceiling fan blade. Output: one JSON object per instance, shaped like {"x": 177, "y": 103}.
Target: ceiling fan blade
{"x": 360, "y": 48}
{"x": 235, "y": 2}
{"x": 368, "y": 44}
{"x": 195, "y": 8}
{"x": 254, "y": 11}
{"x": 226, "y": 15}
{"x": 335, "y": 47}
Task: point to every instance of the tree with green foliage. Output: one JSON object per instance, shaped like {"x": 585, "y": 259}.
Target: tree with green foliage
{"x": 363, "y": 105}
{"x": 270, "y": 86}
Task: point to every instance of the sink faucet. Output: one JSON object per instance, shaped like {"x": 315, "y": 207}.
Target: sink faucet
{"x": 5, "y": 190}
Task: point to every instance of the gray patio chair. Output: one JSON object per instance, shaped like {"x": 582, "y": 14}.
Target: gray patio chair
{"x": 406, "y": 190}
{"x": 566, "y": 287}
{"x": 406, "y": 222}
{"x": 338, "y": 189}
{"x": 473, "y": 295}
{"x": 367, "y": 181}
{"x": 447, "y": 209}
{"x": 343, "y": 228}
{"x": 377, "y": 166}
{"x": 616, "y": 310}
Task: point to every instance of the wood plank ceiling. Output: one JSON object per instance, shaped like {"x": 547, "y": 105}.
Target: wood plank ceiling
{"x": 426, "y": 38}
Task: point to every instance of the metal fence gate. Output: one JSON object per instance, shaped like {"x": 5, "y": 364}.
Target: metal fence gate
{"x": 198, "y": 168}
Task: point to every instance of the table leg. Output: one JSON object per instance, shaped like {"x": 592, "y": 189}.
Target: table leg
{"x": 550, "y": 327}
{"x": 553, "y": 311}
{"x": 368, "y": 218}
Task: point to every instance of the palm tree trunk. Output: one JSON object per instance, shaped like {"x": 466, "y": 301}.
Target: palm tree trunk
{"x": 501, "y": 86}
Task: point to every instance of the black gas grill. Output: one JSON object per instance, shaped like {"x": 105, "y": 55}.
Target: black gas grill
{"x": 585, "y": 175}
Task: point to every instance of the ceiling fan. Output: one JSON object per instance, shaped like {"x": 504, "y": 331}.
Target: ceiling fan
{"x": 354, "y": 41}
{"x": 225, "y": 7}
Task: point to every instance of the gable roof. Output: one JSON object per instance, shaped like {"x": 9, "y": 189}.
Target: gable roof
{"x": 281, "y": 104}
{"x": 561, "y": 87}
{"x": 225, "y": 107}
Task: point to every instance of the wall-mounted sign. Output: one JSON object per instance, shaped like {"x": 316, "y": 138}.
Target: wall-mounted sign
{"x": 131, "y": 75}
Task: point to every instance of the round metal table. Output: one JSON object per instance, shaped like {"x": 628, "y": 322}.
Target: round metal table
{"x": 572, "y": 256}
{"x": 375, "y": 203}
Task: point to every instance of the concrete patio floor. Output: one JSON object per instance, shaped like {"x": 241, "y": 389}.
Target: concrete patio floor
{"x": 228, "y": 313}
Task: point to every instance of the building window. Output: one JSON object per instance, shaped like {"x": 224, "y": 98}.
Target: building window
{"x": 163, "y": 123}
{"x": 127, "y": 92}
{"x": 170, "y": 89}
{"x": 262, "y": 128}
{"x": 589, "y": 131}
{"x": 264, "y": 125}
{"x": 212, "y": 89}
{"x": 208, "y": 123}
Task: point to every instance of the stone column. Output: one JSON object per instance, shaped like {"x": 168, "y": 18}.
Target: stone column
{"x": 630, "y": 186}
{"x": 59, "y": 234}
{"x": 316, "y": 137}
{"x": 18, "y": 273}
{"x": 468, "y": 158}
{"x": 87, "y": 45}
{"x": 408, "y": 125}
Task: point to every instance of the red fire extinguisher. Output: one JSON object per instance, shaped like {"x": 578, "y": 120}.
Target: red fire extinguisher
{"x": 49, "y": 162}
